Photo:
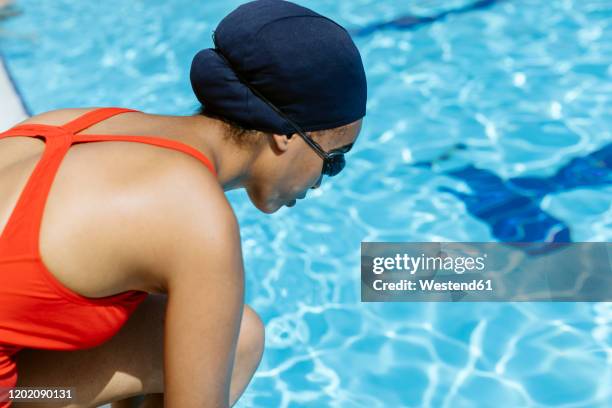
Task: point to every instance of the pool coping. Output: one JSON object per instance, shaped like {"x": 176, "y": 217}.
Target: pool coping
{"x": 12, "y": 107}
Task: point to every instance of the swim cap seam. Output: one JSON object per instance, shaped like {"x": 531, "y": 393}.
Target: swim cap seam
{"x": 296, "y": 16}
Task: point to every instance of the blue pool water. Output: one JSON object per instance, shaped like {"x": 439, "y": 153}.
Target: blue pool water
{"x": 489, "y": 125}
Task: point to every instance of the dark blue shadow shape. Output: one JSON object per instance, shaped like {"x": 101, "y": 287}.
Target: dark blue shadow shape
{"x": 411, "y": 22}
{"x": 512, "y": 207}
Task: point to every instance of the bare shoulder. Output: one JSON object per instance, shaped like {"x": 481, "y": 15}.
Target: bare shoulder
{"x": 196, "y": 200}
{"x": 194, "y": 193}
{"x": 188, "y": 216}
{"x": 195, "y": 187}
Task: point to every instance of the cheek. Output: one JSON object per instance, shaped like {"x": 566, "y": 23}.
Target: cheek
{"x": 311, "y": 170}
{"x": 298, "y": 177}
{"x": 284, "y": 183}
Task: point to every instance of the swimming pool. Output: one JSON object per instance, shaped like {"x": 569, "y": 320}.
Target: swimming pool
{"x": 521, "y": 87}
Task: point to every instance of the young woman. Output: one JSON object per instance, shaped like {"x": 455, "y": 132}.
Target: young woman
{"x": 121, "y": 270}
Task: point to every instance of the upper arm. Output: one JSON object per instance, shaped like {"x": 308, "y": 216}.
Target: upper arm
{"x": 203, "y": 273}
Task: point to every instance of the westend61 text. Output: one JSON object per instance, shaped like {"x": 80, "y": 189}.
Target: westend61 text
{"x": 433, "y": 285}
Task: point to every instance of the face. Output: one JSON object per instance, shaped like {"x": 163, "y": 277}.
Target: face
{"x": 290, "y": 167}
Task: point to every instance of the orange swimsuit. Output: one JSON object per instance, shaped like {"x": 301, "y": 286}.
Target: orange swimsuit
{"x": 36, "y": 310}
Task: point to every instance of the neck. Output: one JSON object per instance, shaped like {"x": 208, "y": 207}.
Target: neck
{"x": 232, "y": 163}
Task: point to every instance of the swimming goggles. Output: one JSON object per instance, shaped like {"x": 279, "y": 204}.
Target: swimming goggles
{"x": 333, "y": 161}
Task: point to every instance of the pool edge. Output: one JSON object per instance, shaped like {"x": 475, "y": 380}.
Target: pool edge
{"x": 11, "y": 104}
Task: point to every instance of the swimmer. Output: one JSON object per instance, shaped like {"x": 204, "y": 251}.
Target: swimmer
{"x": 120, "y": 257}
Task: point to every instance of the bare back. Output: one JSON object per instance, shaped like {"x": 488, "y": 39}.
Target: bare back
{"x": 89, "y": 246}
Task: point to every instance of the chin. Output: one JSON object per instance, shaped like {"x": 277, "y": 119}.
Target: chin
{"x": 266, "y": 207}
{"x": 264, "y": 203}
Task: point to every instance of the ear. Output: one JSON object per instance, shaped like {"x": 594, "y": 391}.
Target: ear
{"x": 281, "y": 142}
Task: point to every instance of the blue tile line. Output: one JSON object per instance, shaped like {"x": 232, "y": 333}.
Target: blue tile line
{"x": 512, "y": 207}
{"x": 410, "y": 22}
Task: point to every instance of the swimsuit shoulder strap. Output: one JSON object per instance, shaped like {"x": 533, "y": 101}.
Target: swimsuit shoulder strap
{"x": 91, "y": 118}
{"x": 73, "y": 127}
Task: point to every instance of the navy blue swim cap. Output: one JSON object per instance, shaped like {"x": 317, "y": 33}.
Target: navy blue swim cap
{"x": 303, "y": 63}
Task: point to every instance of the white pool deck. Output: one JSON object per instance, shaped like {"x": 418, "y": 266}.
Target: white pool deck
{"x": 12, "y": 110}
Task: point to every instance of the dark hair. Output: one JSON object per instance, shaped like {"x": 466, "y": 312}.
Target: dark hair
{"x": 251, "y": 137}
{"x": 240, "y": 135}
